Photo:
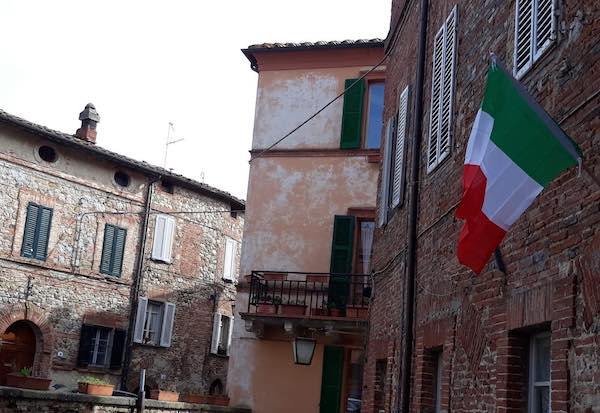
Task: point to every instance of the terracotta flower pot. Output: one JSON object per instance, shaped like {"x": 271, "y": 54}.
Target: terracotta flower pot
{"x": 335, "y": 312}
{"x": 27, "y": 382}
{"x": 164, "y": 395}
{"x": 293, "y": 309}
{"x": 357, "y": 312}
{"x": 195, "y": 398}
{"x": 218, "y": 400}
{"x": 96, "y": 389}
{"x": 273, "y": 276}
{"x": 266, "y": 309}
{"x": 317, "y": 279}
{"x": 318, "y": 312}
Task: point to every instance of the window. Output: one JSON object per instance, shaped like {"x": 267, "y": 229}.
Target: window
{"x": 379, "y": 385}
{"x": 113, "y": 247}
{"x": 229, "y": 267}
{"x": 539, "y": 374}
{"x": 36, "y": 232}
{"x": 442, "y": 92}
{"x": 221, "y": 338}
{"x": 47, "y": 154}
{"x": 164, "y": 230}
{"x": 154, "y": 323}
{"x": 535, "y": 31}
{"x": 437, "y": 383}
{"x": 374, "y": 115}
{"x": 101, "y": 347}
{"x": 361, "y": 91}
{"x": 122, "y": 179}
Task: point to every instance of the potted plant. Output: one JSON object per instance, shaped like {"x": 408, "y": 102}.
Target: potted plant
{"x": 25, "y": 380}
{"x": 268, "y": 305}
{"x": 218, "y": 400}
{"x": 293, "y": 308}
{"x": 167, "y": 395}
{"x": 334, "y": 310}
{"x": 195, "y": 398}
{"x": 321, "y": 311}
{"x": 95, "y": 386}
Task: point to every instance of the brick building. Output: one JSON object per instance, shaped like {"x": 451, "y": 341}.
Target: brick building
{"x": 95, "y": 245}
{"x": 523, "y": 335}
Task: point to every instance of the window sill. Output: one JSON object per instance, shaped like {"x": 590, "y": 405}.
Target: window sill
{"x": 374, "y": 158}
{"x": 99, "y": 370}
{"x": 221, "y": 356}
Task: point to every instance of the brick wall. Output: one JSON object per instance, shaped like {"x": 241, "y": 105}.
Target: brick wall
{"x": 551, "y": 253}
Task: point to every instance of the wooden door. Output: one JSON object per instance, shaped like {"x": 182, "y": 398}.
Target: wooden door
{"x": 17, "y": 349}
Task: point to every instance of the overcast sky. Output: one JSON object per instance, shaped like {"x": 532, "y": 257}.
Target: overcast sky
{"x": 147, "y": 63}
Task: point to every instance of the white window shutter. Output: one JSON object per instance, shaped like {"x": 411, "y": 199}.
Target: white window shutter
{"x": 447, "y": 103}
{"x": 230, "y": 334}
{"x": 436, "y": 93}
{"x": 385, "y": 173}
{"x": 545, "y": 26}
{"x": 442, "y": 92}
{"x": 167, "y": 325}
{"x": 523, "y": 53}
{"x": 398, "y": 184}
{"x": 229, "y": 260}
{"x": 216, "y": 334}
{"x": 164, "y": 231}
{"x": 140, "y": 320}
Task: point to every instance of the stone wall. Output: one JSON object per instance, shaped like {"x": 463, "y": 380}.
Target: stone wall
{"x": 68, "y": 290}
{"x": 551, "y": 253}
{"x": 31, "y": 401}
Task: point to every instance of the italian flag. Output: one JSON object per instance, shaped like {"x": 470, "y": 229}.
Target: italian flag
{"x": 514, "y": 151}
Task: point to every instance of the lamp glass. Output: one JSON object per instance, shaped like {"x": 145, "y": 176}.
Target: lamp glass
{"x": 304, "y": 349}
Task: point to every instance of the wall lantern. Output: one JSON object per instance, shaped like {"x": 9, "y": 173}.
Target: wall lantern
{"x": 304, "y": 349}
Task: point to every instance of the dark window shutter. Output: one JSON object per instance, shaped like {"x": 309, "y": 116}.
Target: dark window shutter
{"x": 118, "y": 251}
{"x": 113, "y": 249}
{"x": 331, "y": 379}
{"x": 341, "y": 247}
{"x": 352, "y": 115}
{"x": 86, "y": 345}
{"x": 106, "y": 259}
{"x": 116, "y": 355}
{"x": 43, "y": 233}
{"x": 29, "y": 232}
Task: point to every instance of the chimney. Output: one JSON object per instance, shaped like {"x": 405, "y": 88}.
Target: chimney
{"x": 89, "y": 119}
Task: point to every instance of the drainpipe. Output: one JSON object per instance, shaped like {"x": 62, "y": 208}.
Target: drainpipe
{"x": 409, "y": 309}
{"x": 137, "y": 281}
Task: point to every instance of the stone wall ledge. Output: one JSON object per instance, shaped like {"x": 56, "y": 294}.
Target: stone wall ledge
{"x": 11, "y": 394}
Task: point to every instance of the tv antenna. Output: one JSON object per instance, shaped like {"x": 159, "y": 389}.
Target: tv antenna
{"x": 169, "y": 142}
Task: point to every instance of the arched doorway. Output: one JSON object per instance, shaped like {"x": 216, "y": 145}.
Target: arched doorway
{"x": 17, "y": 348}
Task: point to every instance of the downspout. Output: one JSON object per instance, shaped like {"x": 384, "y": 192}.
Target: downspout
{"x": 135, "y": 290}
{"x": 411, "y": 264}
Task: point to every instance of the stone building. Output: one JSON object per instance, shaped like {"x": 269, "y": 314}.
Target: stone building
{"x": 109, "y": 265}
{"x": 309, "y": 225}
{"x": 524, "y": 334}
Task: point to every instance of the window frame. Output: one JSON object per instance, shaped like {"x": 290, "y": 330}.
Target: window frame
{"x": 532, "y": 383}
{"x": 108, "y": 351}
{"x": 165, "y": 255}
{"x": 34, "y": 254}
{"x": 113, "y": 248}
{"x": 535, "y": 54}
{"x": 160, "y": 314}
{"x": 371, "y": 78}
{"x": 437, "y": 380}
{"x": 233, "y": 260}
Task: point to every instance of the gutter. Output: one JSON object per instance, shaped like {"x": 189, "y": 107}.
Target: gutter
{"x": 136, "y": 285}
{"x": 409, "y": 309}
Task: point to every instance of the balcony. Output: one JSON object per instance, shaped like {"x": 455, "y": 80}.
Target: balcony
{"x": 309, "y": 299}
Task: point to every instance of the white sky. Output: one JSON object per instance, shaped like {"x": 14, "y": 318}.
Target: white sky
{"x": 145, "y": 63}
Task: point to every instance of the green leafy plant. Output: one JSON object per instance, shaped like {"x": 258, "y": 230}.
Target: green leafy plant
{"x": 25, "y": 371}
{"x": 92, "y": 380}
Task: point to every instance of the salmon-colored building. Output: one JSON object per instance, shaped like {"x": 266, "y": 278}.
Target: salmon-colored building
{"x": 309, "y": 225}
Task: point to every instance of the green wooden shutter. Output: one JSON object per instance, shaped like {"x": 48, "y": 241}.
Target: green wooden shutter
{"x": 43, "y": 233}
{"x": 36, "y": 232}
{"x": 352, "y": 115}
{"x": 331, "y": 379}
{"x": 341, "y": 261}
{"x": 86, "y": 345}
{"x": 29, "y": 232}
{"x": 113, "y": 249}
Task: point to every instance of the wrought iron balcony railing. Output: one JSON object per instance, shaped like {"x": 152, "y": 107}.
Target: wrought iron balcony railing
{"x": 300, "y": 294}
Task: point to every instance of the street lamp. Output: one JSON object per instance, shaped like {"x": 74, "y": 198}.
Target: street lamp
{"x": 304, "y": 349}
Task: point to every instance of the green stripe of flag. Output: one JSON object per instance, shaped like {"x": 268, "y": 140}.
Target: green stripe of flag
{"x": 524, "y": 132}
